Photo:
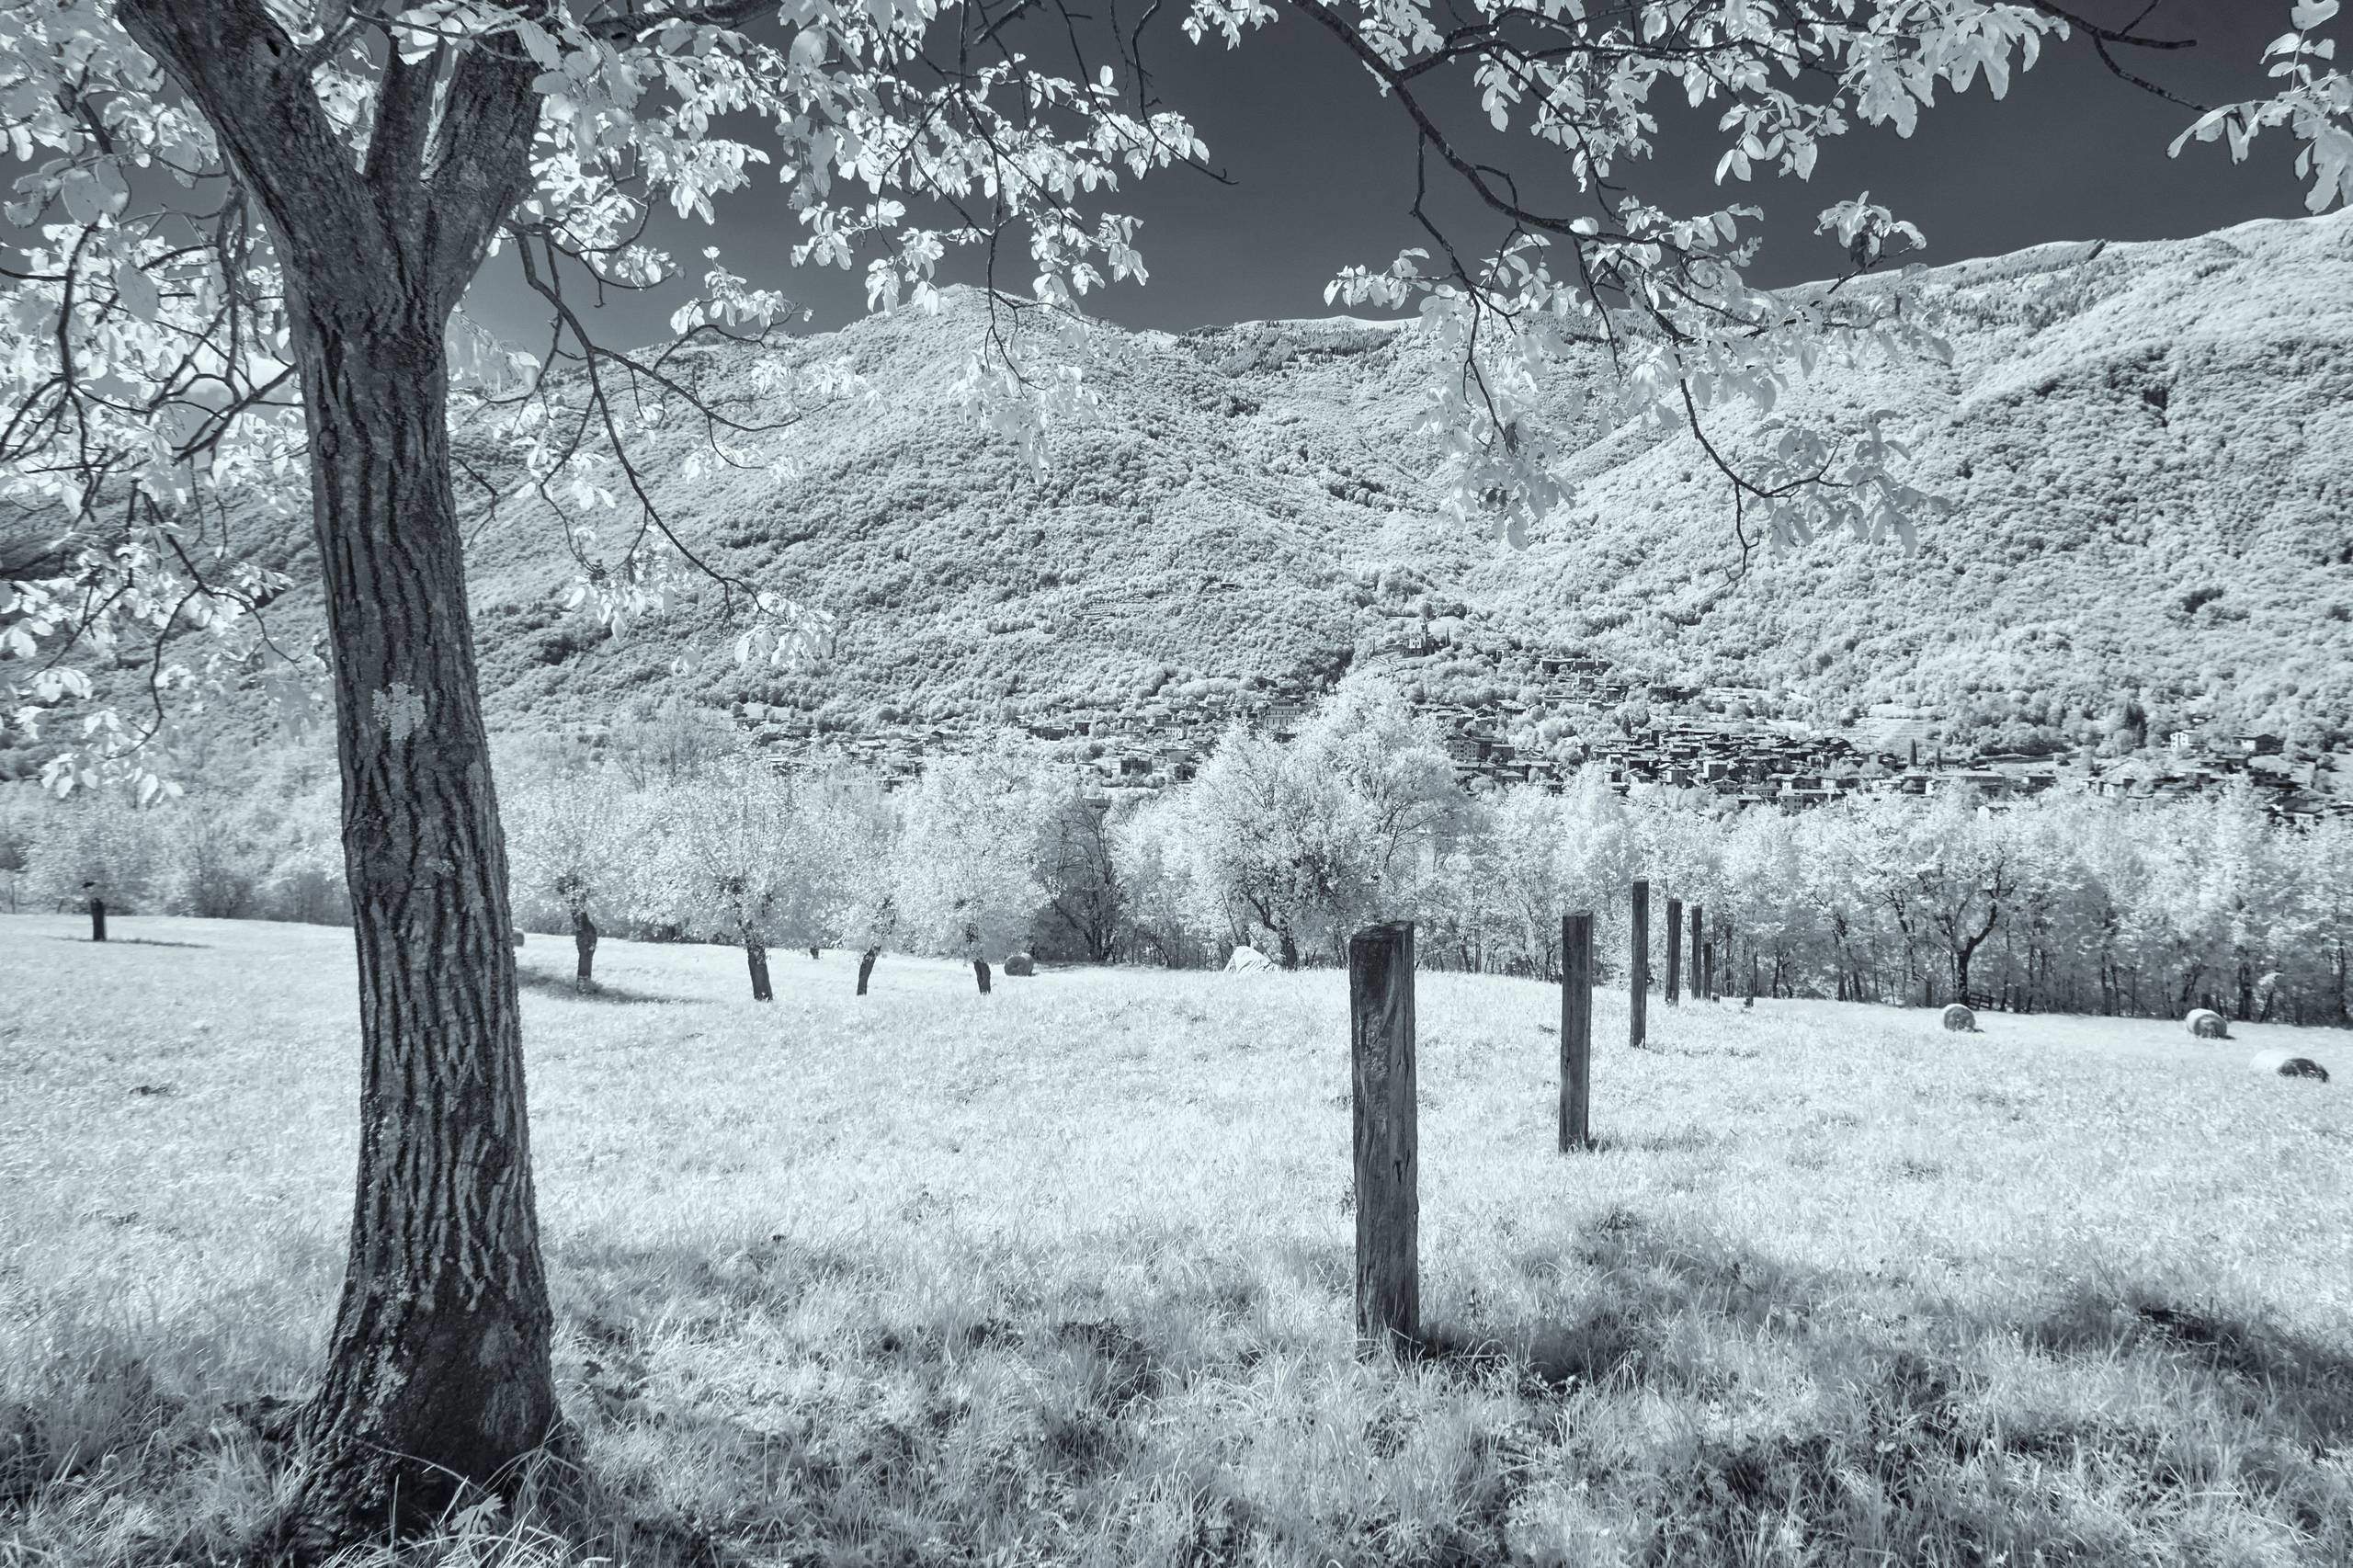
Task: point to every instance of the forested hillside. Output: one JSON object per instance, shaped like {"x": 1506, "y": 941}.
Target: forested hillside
{"x": 2143, "y": 447}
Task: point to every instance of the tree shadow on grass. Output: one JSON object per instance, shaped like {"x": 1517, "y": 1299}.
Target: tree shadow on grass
{"x": 1946, "y": 1442}
{"x": 129, "y": 942}
{"x": 1683, "y": 1139}
{"x": 1628, "y": 1371}
{"x": 562, "y": 985}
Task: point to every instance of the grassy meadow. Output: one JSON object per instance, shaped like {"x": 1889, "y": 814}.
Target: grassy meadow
{"x": 1061, "y": 1276}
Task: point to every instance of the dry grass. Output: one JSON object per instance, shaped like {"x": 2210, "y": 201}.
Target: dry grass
{"x": 1060, "y": 1277}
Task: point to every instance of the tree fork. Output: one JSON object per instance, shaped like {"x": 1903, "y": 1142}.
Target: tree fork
{"x": 438, "y": 1380}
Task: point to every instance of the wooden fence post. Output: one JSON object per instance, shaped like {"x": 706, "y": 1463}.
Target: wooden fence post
{"x": 1674, "y": 993}
{"x": 1576, "y": 1029}
{"x": 1698, "y": 928}
{"x": 1388, "y": 1161}
{"x": 1638, "y": 964}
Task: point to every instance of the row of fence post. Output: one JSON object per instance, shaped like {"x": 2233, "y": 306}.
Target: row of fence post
{"x": 1383, "y": 1072}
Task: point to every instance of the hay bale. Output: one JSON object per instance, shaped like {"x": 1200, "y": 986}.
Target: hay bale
{"x": 1020, "y": 963}
{"x": 1248, "y": 961}
{"x": 2286, "y": 1064}
{"x": 1960, "y": 1019}
{"x": 2207, "y": 1024}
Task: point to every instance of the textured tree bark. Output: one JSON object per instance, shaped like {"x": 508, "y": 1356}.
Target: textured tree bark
{"x": 437, "y": 1373}
{"x": 981, "y": 972}
{"x": 584, "y": 940}
{"x": 755, "y": 958}
{"x": 865, "y": 967}
{"x": 97, "y": 920}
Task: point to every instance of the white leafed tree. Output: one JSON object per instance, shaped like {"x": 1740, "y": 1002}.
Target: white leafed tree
{"x": 722, "y": 867}
{"x": 966, "y": 879}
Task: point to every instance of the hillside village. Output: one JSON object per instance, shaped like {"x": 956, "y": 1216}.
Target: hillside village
{"x": 1705, "y": 738}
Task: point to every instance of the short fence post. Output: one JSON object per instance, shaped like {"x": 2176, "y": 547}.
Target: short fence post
{"x": 1674, "y": 993}
{"x": 1638, "y": 964}
{"x": 1576, "y": 1029}
{"x": 1388, "y": 1161}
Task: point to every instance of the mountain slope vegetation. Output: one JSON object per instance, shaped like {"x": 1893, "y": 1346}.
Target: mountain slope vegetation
{"x": 2142, "y": 446}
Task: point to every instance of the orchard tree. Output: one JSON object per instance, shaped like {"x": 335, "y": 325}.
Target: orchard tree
{"x": 574, "y": 837}
{"x": 1391, "y": 762}
{"x": 1967, "y": 867}
{"x": 244, "y": 229}
{"x": 1268, "y": 843}
{"x": 722, "y": 869}
{"x": 1078, "y": 870}
{"x": 1154, "y": 865}
{"x": 841, "y": 827}
{"x": 966, "y": 883}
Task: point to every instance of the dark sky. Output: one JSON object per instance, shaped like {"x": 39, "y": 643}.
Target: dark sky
{"x": 1324, "y": 172}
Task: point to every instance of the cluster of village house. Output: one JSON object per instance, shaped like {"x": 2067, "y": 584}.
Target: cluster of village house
{"x": 1157, "y": 741}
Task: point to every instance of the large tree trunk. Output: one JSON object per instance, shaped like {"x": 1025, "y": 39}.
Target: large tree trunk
{"x": 981, "y": 974}
{"x": 584, "y": 939}
{"x": 437, "y": 1372}
{"x": 865, "y": 967}
{"x": 755, "y": 958}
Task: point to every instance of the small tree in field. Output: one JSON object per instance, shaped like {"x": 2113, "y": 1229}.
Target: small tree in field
{"x": 966, "y": 883}
{"x": 1311, "y": 838}
{"x": 722, "y": 870}
{"x": 841, "y": 827}
{"x": 1078, "y": 870}
{"x": 574, "y": 837}
{"x": 1153, "y": 860}
{"x": 1267, "y": 838}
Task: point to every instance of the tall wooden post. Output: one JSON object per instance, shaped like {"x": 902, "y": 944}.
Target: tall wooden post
{"x": 1674, "y": 993}
{"x": 1698, "y": 937}
{"x": 1638, "y": 964}
{"x": 583, "y": 946}
{"x": 1388, "y": 1161}
{"x": 1576, "y": 1029}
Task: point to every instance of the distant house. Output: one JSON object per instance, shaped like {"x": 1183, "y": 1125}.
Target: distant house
{"x": 2261, "y": 746}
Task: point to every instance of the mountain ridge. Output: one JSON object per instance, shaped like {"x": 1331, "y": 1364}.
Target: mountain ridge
{"x": 2150, "y": 531}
